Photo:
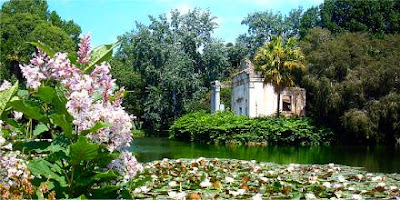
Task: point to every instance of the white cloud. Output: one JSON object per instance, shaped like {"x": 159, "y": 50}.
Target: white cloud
{"x": 183, "y": 8}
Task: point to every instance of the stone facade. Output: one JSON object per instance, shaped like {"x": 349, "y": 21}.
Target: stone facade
{"x": 252, "y": 97}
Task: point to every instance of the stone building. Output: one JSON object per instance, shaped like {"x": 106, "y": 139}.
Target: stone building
{"x": 252, "y": 97}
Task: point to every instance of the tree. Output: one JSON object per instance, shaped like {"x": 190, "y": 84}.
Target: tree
{"x": 30, "y": 21}
{"x": 176, "y": 58}
{"x": 278, "y": 60}
{"x": 264, "y": 25}
{"x": 311, "y": 18}
{"x": 376, "y": 17}
{"x": 352, "y": 82}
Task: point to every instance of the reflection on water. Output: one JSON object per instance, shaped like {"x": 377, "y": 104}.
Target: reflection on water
{"x": 376, "y": 159}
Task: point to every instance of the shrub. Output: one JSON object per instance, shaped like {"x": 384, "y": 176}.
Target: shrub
{"x": 226, "y": 128}
{"x": 76, "y": 106}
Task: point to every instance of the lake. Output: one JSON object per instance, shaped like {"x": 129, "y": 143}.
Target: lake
{"x": 374, "y": 159}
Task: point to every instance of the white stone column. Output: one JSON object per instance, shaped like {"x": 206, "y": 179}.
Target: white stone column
{"x": 215, "y": 96}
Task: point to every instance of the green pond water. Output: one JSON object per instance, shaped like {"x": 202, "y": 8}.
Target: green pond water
{"x": 374, "y": 159}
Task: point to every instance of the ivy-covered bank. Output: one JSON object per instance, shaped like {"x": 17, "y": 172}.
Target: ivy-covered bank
{"x": 227, "y": 128}
{"x": 237, "y": 179}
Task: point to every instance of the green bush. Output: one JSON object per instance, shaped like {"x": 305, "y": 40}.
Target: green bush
{"x": 227, "y": 128}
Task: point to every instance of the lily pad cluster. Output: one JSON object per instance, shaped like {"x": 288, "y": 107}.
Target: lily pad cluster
{"x": 237, "y": 179}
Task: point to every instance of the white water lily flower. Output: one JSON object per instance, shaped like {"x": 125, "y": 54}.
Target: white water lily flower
{"x": 257, "y": 168}
{"x": 290, "y": 168}
{"x": 337, "y": 185}
{"x": 310, "y": 196}
{"x": 241, "y": 191}
{"x": 341, "y": 179}
{"x": 144, "y": 189}
{"x": 392, "y": 187}
{"x": 8, "y": 146}
{"x": 177, "y": 195}
{"x": 356, "y": 197}
{"x": 258, "y": 196}
{"x": 173, "y": 184}
{"x": 206, "y": 183}
{"x": 2, "y": 141}
{"x": 331, "y": 165}
{"x": 351, "y": 188}
{"x": 376, "y": 178}
{"x": 313, "y": 178}
{"x": 381, "y": 184}
{"x": 327, "y": 184}
{"x": 229, "y": 180}
{"x": 360, "y": 176}
{"x": 200, "y": 159}
{"x": 265, "y": 179}
{"x": 270, "y": 172}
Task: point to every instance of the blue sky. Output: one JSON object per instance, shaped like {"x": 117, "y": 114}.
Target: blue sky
{"x": 106, "y": 19}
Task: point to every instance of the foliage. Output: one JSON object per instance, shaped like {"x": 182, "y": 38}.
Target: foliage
{"x": 75, "y": 106}
{"x": 378, "y": 17}
{"x": 30, "y": 20}
{"x": 175, "y": 58}
{"x": 352, "y": 84}
{"x": 278, "y": 61}
{"x": 238, "y": 179}
{"x": 264, "y": 25}
{"x": 226, "y": 127}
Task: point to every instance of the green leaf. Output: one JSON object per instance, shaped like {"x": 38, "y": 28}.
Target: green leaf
{"x": 59, "y": 103}
{"x": 27, "y": 146}
{"x": 40, "y": 128}
{"x": 99, "y": 177}
{"x": 23, "y": 93}
{"x": 6, "y": 95}
{"x": 29, "y": 110}
{"x": 72, "y": 58}
{"x": 82, "y": 150}
{"x": 96, "y": 127}
{"x": 61, "y": 121}
{"x": 41, "y": 167}
{"x": 100, "y": 54}
{"x": 50, "y": 52}
{"x": 106, "y": 192}
{"x": 46, "y": 94}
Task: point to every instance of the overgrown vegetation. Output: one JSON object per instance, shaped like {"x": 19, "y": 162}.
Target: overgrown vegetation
{"x": 353, "y": 84}
{"x": 228, "y": 128}
{"x": 27, "y": 21}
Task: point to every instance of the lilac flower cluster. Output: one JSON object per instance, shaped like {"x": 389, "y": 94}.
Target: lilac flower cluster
{"x": 13, "y": 170}
{"x": 84, "y": 50}
{"x": 126, "y": 165}
{"x": 82, "y": 93}
{"x": 5, "y": 85}
{"x": 92, "y": 98}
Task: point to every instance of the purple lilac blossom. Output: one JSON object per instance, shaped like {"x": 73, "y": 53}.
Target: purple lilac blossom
{"x": 89, "y": 99}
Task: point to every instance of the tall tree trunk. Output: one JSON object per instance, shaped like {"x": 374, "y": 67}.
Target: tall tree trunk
{"x": 279, "y": 102}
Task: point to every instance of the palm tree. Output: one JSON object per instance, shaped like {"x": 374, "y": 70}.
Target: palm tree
{"x": 277, "y": 60}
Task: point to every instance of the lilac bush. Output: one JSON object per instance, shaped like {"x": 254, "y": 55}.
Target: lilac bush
{"x": 94, "y": 128}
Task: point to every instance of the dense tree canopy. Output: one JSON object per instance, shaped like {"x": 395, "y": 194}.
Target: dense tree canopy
{"x": 264, "y": 25}
{"x": 176, "y": 59}
{"x": 30, "y": 21}
{"x": 353, "y": 85}
{"x": 376, "y": 17}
